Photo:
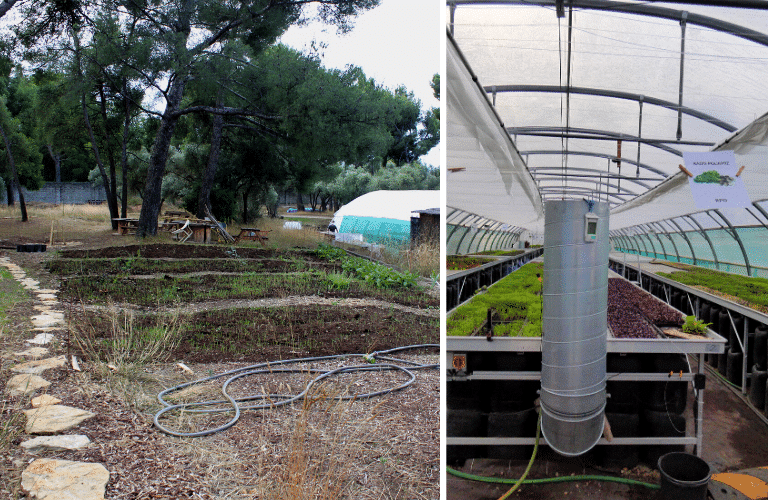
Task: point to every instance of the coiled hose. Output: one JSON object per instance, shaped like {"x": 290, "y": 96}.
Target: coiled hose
{"x": 274, "y": 400}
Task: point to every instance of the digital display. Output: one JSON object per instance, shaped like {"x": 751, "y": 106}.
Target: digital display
{"x": 592, "y": 227}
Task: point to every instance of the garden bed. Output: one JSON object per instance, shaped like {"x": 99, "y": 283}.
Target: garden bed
{"x": 463, "y": 262}
{"x": 750, "y": 292}
{"x": 141, "y": 309}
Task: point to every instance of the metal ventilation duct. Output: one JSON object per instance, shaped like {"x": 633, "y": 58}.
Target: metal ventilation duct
{"x": 575, "y": 325}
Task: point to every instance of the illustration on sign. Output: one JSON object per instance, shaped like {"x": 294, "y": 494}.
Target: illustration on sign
{"x": 715, "y": 180}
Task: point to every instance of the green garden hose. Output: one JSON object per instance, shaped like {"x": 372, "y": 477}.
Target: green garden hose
{"x": 530, "y": 462}
{"x": 560, "y": 479}
{"x": 546, "y": 480}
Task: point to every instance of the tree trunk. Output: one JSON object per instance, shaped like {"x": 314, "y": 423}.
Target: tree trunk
{"x": 299, "y": 202}
{"x": 15, "y": 174}
{"x": 56, "y": 161}
{"x": 110, "y": 201}
{"x": 204, "y": 200}
{"x": 112, "y": 192}
{"x": 150, "y": 208}
{"x": 9, "y": 192}
{"x": 124, "y": 158}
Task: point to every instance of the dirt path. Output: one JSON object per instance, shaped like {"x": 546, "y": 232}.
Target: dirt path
{"x": 218, "y": 305}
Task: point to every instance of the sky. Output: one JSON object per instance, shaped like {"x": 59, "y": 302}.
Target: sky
{"x": 396, "y": 43}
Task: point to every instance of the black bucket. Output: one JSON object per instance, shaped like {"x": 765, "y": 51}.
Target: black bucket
{"x": 683, "y": 477}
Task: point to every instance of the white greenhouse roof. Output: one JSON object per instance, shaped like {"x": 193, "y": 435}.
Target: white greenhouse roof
{"x": 537, "y": 104}
{"x": 396, "y": 205}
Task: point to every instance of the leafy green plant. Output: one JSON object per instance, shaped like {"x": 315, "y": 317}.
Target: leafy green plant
{"x": 695, "y": 326}
{"x": 339, "y": 281}
{"x": 516, "y": 299}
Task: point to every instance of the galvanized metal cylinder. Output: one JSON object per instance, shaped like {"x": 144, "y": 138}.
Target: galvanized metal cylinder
{"x": 575, "y": 325}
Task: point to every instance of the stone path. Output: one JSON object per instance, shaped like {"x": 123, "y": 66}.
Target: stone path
{"x": 49, "y": 478}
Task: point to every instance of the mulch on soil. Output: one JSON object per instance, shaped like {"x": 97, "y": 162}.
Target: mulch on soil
{"x": 395, "y": 437}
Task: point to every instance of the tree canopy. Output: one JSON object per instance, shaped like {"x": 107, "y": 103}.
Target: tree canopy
{"x": 192, "y": 101}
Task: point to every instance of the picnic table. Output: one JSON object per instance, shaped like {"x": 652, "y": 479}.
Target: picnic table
{"x": 253, "y": 234}
{"x": 126, "y": 225}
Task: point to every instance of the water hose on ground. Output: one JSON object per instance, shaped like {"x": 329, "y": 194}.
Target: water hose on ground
{"x": 548, "y": 480}
{"x": 530, "y": 462}
{"x": 516, "y": 483}
{"x": 230, "y": 404}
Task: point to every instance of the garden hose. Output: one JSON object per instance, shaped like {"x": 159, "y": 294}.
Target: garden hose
{"x": 516, "y": 483}
{"x": 530, "y": 462}
{"x": 548, "y": 480}
{"x": 377, "y": 361}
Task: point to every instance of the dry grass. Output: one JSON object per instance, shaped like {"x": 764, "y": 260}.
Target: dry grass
{"x": 124, "y": 345}
{"x": 306, "y": 237}
{"x": 423, "y": 259}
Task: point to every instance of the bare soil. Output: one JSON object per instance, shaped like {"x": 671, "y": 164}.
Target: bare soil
{"x": 385, "y": 447}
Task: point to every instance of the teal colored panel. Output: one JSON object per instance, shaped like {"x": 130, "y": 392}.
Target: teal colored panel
{"x": 377, "y": 230}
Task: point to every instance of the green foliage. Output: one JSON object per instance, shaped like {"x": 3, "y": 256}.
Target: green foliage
{"x": 708, "y": 177}
{"x": 749, "y": 291}
{"x": 516, "y": 299}
{"x": 502, "y": 253}
{"x": 339, "y": 281}
{"x": 370, "y": 272}
{"x": 695, "y": 326}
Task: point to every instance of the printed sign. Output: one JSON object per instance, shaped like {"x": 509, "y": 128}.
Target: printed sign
{"x": 715, "y": 180}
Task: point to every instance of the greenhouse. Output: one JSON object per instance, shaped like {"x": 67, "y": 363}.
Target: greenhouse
{"x": 629, "y": 141}
{"x": 382, "y": 217}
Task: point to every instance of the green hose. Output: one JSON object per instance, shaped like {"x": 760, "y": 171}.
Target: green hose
{"x": 561, "y": 479}
{"x": 530, "y": 462}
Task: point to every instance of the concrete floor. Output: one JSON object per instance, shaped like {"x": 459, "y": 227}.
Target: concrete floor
{"x": 735, "y": 438}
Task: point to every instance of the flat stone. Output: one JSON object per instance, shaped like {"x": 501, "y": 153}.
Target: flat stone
{"x": 42, "y": 339}
{"x": 24, "y": 384}
{"x": 43, "y": 320}
{"x": 47, "y": 291}
{"x": 48, "y": 479}
{"x": 44, "y": 400}
{"x": 29, "y": 283}
{"x": 38, "y": 366}
{"x": 33, "y": 352}
{"x": 56, "y": 443}
{"x": 46, "y": 296}
{"x": 54, "y": 418}
{"x": 47, "y": 315}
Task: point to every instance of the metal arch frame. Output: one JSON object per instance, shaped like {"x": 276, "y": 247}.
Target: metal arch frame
{"x": 631, "y": 240}
{"x": 631, "y": 244}
{"x": 600, "y": 182}
{"x": 648, "y": 10}
{"x": 697, "y": 227}
{"x": 613, "y": 94}
{"x": 601, "y": 135}
{"x": 603, "y": 173}
{"x": 639, "y": 238}
{"x": 469, "y": 246}
{"x": 615, "y": 234}
{"x": 577, "y": 190}
{"x": 735, "y": 235}
{"x": 597, "y": 179}
{"x": 665, "y": 233}
{"x": 596, "y": 155}
{"x": 654, "y": 232}
{"x": 645, "y": 233}
{"x": 622, "y": 238}
{"x": 685, "y": 237}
